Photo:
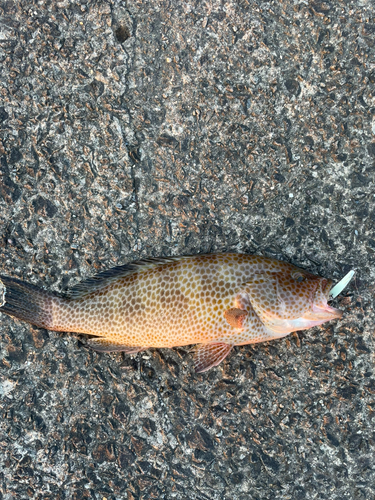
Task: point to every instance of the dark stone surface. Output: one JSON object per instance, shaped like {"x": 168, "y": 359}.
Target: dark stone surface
{"x": 162, "y": 128}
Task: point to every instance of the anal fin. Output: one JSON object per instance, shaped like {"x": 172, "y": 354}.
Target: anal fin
{"x": 208, "y": 355}
{"x": 104, "y": 345}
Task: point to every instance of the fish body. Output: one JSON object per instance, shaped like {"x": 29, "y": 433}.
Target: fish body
{"x": 216, "y": 301}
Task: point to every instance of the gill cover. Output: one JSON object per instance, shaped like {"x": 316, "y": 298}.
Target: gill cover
{"x": 282, "y": 300}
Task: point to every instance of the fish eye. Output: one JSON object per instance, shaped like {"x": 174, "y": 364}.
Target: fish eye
{"x": 299, "y": 277}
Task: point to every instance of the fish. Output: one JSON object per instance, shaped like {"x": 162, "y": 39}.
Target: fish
{"x": 213, "y": 301}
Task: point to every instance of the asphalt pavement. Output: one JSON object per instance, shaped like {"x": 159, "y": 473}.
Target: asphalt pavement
{"x": 157, "y": 128}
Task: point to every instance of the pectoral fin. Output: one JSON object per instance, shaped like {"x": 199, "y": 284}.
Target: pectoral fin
{"x": 209, "y": 355}
{"x": 235, "y": 317}
{"x": 104, "y": 345}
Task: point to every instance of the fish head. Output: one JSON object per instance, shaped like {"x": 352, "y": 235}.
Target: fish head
{"x": 291, "y": 300}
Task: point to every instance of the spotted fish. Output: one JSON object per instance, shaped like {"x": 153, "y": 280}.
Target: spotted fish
{"x": 216, "y": 301}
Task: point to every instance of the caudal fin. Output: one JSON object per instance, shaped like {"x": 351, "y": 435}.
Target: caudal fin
{"x": 26, "y": 302}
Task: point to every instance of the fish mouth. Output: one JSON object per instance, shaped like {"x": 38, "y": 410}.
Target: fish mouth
{"x": 326, "y": 312}
{"x": 321, "y": 309}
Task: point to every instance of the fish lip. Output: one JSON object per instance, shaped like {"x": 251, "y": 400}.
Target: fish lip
{"x": 327, "y": 311}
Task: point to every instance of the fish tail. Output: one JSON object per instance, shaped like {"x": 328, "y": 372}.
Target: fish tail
{"x": 27, "y": 302}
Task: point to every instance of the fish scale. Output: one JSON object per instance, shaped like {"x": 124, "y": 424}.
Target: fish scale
{"x": 216, "y": 301}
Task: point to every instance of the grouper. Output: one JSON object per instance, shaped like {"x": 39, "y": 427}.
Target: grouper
{"x": 214, "y": 301}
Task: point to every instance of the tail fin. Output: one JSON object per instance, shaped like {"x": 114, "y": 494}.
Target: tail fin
{"x": 26, "y": 302}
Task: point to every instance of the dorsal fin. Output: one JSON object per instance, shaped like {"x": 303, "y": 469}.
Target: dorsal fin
{"x": 104, "y": 278}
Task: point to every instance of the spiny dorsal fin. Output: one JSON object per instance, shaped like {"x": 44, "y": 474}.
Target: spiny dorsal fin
{"x": 104, "y": 278}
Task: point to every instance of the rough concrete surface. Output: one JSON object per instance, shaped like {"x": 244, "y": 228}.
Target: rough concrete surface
{"x": 147, "y": 128}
